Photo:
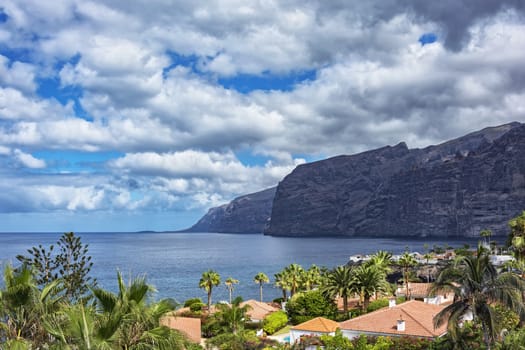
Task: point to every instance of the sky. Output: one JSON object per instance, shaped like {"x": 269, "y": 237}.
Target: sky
{"x": 120, "y": 115}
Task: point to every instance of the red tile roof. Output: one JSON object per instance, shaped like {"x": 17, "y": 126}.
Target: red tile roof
{"x": 418, "y": 317}
{"x": 319, "y": 324}
{"x": 191, "y": 327}
{"x": 258, "y": 310}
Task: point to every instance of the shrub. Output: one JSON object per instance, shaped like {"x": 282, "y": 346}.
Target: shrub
{"x": 275, "y": 321}
{"x": 305, "y": 306}
{"x": 192, "y": 301}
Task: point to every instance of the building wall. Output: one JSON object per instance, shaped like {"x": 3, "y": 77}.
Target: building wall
{"x": 296, "y": 334}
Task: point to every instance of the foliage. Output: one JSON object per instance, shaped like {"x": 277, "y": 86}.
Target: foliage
{"x": 514, "y": 340}
{"x": 191, "y": 301}
{"x": 231, "y": 317}
{"x": 367, "y": 281}
{"x": 260, "y": 279}
{"x": 307, "y": 305}
{"x": 516, "y": 239}
{"x": 275, "y": 321}
{"x": 336, "y": 342}
{"x": 478, "y": 287}
{"x": 230, "y": 282}
{"x": 71, "y": 264}
{"x": 338, "y": 283}
{"x": 245, "y": 340}
{"x": 209, "y": 280}
{"x": 406, "y": 262}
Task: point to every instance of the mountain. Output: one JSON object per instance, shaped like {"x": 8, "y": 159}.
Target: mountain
{"x": 454, "y": 189}
{"x": 245, "y": 214}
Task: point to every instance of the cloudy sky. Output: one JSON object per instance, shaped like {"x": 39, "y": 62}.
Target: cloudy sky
{"x": 121, "y": 115}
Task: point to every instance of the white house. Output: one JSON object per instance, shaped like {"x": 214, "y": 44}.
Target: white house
{"x": 315, "y": 327}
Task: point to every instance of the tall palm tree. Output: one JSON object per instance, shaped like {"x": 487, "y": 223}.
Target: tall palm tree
{"x": 406, "y": 261}
{"x": 209, "y": 280}
{"x": 478, "y": 287}
{"x": 230, "y": 281}
{"x": 339, "y": 283}
{"x": 261, "y": 278}
{"x": 233, "y": 316}
{"x": 312, "y": 277}
{"x": 367, "y": 281}
{"x": 295, "y": 274}
{"x": 282, "y": 281}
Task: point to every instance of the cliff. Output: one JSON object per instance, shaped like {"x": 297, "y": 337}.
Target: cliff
{"x": 245, "y": 214}
{"x": 454, "y": 189}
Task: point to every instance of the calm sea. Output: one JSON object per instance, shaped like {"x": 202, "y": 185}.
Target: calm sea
{"x": 174, "y": 262}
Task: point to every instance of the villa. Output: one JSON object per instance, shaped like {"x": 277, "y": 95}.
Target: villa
{"x": 421, "y": 291}
{"x": 413, "y": 318}
{"x": 315, "y": 327}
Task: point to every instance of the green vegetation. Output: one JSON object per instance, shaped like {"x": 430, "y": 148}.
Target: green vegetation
{"x": 209, "y": 280}
{"x": 230, "y": 282}
{"x": 307, "y": 305}
{"x": 260, "y": 279}
{"x": 275, "y": 321}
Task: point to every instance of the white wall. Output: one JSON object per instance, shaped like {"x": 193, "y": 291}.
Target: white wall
{"x": 296, "y": 334}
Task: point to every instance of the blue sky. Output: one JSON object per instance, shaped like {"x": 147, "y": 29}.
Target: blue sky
{"x": 128, "y": 116}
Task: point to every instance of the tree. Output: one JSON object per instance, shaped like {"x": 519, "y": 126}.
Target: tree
{"x": 295, "y": 273}
{"x": 382, "y": 260}
{"x": 339, "y": 283}
{"x": 232, "y": 316}
{"x": 23, "y": 306}
{"x": 209, "y": 280}
{"x": 478, "y": 287}
{"x": 312, "y": 277}
{"x": 282, "y": 281}
{"x": 406, "y": 261}
{"x": 71, "y": 264}
{"x": 261, "y": 278}
{"x": 367, "y": 281}
{"x": 274, "y": 321}
{"x": 307, "y": 305}
{"x": 230, "y": 281}
{"x": 516, "y": 239}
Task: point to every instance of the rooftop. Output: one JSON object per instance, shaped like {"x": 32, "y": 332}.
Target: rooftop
{"x": 319, "y": 324}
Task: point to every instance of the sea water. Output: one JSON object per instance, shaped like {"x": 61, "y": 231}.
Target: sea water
{"x": 174, "y": 262}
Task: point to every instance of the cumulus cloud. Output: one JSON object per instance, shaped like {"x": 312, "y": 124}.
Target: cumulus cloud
{"x": 148, "y": 89}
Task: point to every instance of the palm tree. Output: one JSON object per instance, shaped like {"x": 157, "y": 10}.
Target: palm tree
{"x": 282, "y": 282}
{"x": 478, "y": 287}
{"x": 233, "y": 316}
{"x": 312, "y": 277}
{"x": 339, "y": 283}
{"x": 23, "y": 305}
{"x": 230, "y": 281}
{"x": 382, "y": 260}
{"x": 295, "y": 274}
{"x": 406, "y": 261}
{"x": 367, "y": 281}
{"x": 261, "y": 278}
{"x": 209, "y": 280}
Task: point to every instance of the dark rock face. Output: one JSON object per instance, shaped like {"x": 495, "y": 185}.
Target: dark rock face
{"x": 245, "y": 214}
{"x": 455, "y": 189}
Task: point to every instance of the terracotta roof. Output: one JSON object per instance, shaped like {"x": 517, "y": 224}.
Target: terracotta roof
{"x": 319, "y": 324}
{"x": 418, "y": 317}
{"x": 417, "y": 290}
{"x": 258, "y": 310}
{"x": 191, "y": 327}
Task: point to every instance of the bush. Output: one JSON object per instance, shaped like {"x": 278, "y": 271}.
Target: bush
{"x": 275, "y": 321}
{"x": 192, "y": 301}
{"x": 305, "y": 306}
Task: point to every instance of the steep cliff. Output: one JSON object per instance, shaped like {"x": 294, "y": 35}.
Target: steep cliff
{"x": 245, "y": 214}
{"x": 453, "y": 189}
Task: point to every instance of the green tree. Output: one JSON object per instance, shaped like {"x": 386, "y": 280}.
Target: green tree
{"x": 282, "y": 281}
{"x": 230, "y": 282}
{"x": 478, "y": 287}
{"x": 209, "y": 280}
{"x": 367, "y": 281}
{"x": 339, "y": 284}
{"x": 381, "y": 260}
{"x": 516, "y": 239}
{"x": 295, "y": 275}
{"x": 260, "y": 279}
{"x": 406, "y": 262}
{"x": 71, "y": 264}
{"x": 312, "y": 277}
{"x": 307, "y": 305}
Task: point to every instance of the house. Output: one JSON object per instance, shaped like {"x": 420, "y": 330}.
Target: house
{"x": 190, "y": 327}
{"x": 315, "y": 327}
{"x": 257, "y": 311}
{"x": 413, "y": 318}
{"x": 421, "y": 291}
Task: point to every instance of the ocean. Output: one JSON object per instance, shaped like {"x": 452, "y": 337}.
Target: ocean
{"x": 174, "y": 262}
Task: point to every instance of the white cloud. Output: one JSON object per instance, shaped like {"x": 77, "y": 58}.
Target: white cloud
{"x": 28, "y": 161}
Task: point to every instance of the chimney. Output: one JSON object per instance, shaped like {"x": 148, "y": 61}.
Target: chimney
{"x": 400, "y": 324}
{"x": 391, "y": 302}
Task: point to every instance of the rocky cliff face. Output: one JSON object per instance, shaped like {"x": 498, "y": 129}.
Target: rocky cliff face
{"x": 245, "y": 214}
{"x": 454, "y": 189}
